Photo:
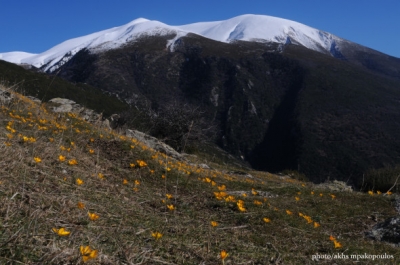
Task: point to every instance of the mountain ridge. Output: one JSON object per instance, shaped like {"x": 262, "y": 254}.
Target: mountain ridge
{"x": 248, "y": 27}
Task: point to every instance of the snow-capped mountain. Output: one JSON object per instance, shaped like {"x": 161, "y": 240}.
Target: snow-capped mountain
{"x": 258, "y": 28}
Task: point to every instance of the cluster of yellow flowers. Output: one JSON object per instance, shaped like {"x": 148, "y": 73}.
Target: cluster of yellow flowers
{"x": 379, "y": 193}
{"x": 336, "y": 243}
{"x": 87, "y": 253}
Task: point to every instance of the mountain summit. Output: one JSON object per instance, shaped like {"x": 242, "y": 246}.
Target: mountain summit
{"x": 257, "y": 28}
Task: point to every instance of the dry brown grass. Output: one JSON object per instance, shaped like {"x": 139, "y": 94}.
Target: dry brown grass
{"x": 37, "y": 197}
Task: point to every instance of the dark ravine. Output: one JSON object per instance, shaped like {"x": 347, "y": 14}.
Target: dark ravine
{"x": 280, "y": 147}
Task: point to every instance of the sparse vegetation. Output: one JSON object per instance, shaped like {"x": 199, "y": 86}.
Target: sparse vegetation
{"x": 73, "y": 193}
{"x": 387, "y": 178}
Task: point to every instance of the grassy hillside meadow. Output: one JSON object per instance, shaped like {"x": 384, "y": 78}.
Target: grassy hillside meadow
{"x": 74, "y": 193}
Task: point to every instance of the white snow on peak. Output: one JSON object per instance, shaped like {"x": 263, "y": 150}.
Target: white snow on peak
{"x": 15, "y": 57}
{"x": 260, "y": 27}
{"x": 244, "y": 27}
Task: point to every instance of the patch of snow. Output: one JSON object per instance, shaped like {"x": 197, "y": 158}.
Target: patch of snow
{"x": 15, "y": 57}
{"x": 258, "y": 28}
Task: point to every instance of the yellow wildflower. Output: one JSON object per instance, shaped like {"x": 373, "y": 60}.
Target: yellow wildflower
{"x": 289, "y": 212}
{"x": 220, "y": 195}
{"x": 214, "y": 223}
{"x": 93, "y": 216}
{"x": 171, "y": 207}
{"x": 72, "y": 162}
{"x": 316, "y": 225}
{"x": 169, "y": 196}
{"x": 156, "y": 235}
{"x": 308, "y": 218}
{"x": 79, "y": 181}
{"x": 240, "y": 205}
{"x": 87, "y": 253}
{"x": 230, "y": 198}
{"x": 81, "y": 205}
{"x": 222, "y": 188}
{"x": 267, "y": 220}
{"x": 91, "y": 151}
{"x": 61, "y": 158}
{"x": 125, "y": 181}
{"x": 223, "y": 254}
{"x": 141, "y": 163}
{"x": 61, "y": 231}
{"x": 256, "y": 202}
{"x": 37, "y": 159}
{"x": 337, "y": 244}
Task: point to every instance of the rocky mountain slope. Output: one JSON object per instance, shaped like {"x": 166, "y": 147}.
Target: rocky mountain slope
{"x": 278, "y": 107}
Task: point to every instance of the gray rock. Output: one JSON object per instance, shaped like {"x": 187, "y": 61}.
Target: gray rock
{"x": 62, "y": 101}
{"x": 205, "y": 166}
{"x": 154, "y": 143}
{"x": 387, "y": 231}
{"x": 63, "y": 108}
{"x": 67, "y": 105}
{"x": 261, "y": 193}
{"x": 34, "y": 99}
{"x": 5, "y": 97}
{"x": 335, "y": 186}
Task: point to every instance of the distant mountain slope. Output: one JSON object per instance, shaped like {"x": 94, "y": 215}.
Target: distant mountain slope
{"x": 276, "y": 106}
{"x": 258, "y": 28}
{"x": 47, "y": 87}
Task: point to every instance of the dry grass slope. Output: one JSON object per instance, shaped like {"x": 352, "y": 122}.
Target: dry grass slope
{"x": 72, "y": 193}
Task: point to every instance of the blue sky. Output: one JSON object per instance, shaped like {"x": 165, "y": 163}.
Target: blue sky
{"x": 35, "y": 26}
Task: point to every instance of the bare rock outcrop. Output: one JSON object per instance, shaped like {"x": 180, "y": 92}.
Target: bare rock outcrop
{"x": 335, "y": 186}
{"x": 387, "y": 231}
{"x": 154, "y": 143}
{"x": 5, "y": 96}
